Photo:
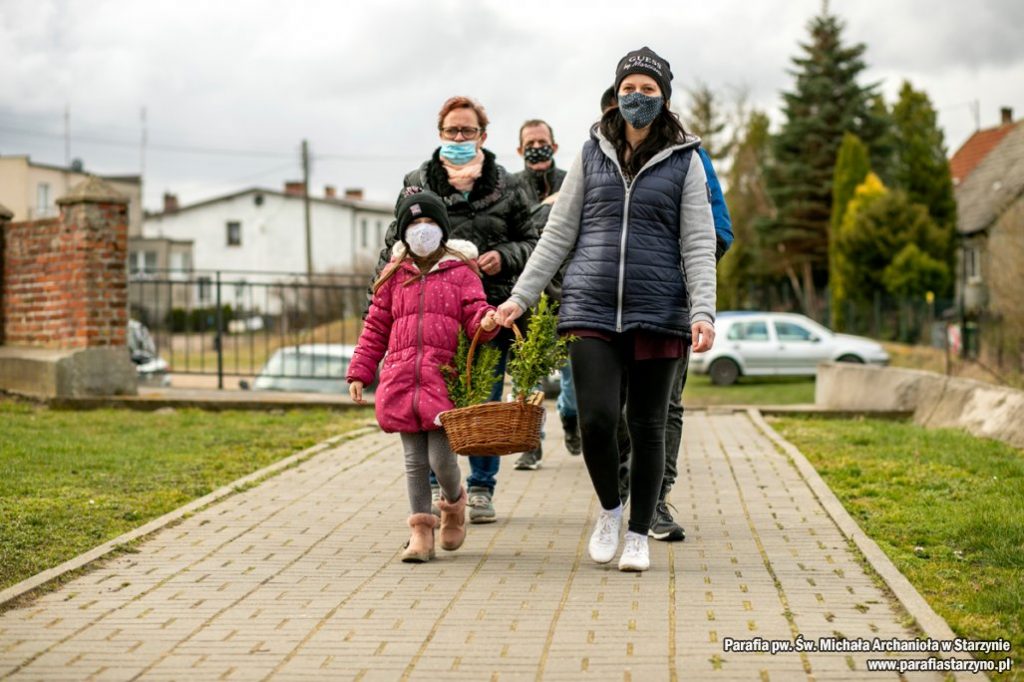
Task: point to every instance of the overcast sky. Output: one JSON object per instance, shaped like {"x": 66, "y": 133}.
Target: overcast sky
{"x": 363, "y": 81}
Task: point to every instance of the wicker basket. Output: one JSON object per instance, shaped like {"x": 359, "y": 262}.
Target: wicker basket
{"x": 492, "y": 428}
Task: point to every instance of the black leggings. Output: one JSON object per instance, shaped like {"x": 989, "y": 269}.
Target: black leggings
{"x": 599, "y": 369}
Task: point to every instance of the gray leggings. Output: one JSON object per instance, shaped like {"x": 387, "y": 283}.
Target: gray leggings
{"x": 427, "y": 451}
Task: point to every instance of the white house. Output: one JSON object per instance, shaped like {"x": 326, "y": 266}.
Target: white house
{"x": 254, "y": 238}
{"x": 263, "y": 230}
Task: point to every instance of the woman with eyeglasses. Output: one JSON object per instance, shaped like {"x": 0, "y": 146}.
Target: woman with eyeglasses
{"x": 485, "y": 206}
{"x": 639, "y": 291}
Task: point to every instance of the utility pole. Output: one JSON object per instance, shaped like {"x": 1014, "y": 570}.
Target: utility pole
{"x": 305, "y": 201}
{"x": 142, "y": 161}
{"x": 67, "y": 135}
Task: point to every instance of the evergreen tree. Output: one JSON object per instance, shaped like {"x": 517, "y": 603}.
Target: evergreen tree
{"x": 888, "y": 243}
{"x": 852, "y": 166}
{"x": 741, "y": 269}
{"x": 919, "y": 164}
{"x": 706, "y": 120}
{"x": 826, "y": 102}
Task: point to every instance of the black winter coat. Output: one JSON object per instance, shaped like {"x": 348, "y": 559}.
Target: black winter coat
{"x": 495, "y": 217}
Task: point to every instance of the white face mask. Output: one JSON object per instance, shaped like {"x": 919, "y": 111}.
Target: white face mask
{"x": 423, "y": 238}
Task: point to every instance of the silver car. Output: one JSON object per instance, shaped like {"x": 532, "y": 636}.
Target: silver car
{"x": 778, "y": 344}
{"x": 308, "y": 368}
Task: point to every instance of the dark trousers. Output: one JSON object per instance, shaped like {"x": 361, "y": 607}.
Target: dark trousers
{"x": 673, "y": 435}
{"x": 600, "y": 371}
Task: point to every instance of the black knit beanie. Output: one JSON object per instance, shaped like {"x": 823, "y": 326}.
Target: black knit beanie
{"x": 420, "y": 203}
{"x": 645, "y": 61}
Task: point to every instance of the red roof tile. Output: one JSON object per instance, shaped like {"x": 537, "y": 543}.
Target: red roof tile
{"x": 974, "y": 151}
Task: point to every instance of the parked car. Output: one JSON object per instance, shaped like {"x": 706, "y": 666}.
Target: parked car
{"x": 152, "y": 370}
{"x": 309, "y": 368}
{"x": 778, "y": 344}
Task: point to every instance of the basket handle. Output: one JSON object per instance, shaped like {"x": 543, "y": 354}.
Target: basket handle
{"x": 472, "y": 351}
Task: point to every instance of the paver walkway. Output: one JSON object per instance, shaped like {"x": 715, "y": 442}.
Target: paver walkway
{"x": 298, "y": 578}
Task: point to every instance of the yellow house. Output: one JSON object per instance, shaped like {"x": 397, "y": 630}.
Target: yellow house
{"x": 31, "y": 189}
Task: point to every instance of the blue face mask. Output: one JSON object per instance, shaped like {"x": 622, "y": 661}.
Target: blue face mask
{"x": 639, "y": 109}
{"x": 459, "y": 153}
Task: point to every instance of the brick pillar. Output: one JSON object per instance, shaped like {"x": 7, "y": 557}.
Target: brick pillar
{"x": 93, "y": 249}
{"x": 5, "y": 217}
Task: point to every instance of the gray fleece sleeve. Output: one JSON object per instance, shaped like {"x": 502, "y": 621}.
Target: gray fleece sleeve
{"x": 697, "y": 243}
{"x": 557, "y": 240}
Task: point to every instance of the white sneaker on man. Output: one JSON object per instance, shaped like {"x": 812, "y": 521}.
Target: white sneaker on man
{"x": 635, "y": 555}
{"x": 604, "y": 541}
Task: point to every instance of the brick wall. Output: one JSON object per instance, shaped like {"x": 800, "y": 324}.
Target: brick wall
{"x": 64, "y": 280}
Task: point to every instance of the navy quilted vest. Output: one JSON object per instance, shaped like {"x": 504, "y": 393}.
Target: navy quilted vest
{"x": 627, "y": 274}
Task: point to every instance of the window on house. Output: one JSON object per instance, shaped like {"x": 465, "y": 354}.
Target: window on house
{"x": 42, "y": 198}
{"x": 972, "y": 264}
{"x": 142, "y": 262}
{"x": 380, "y": 233}
{"x": 362, "y": 233}
{"x": 234, "y": 233}
{"x": 204, "y": 289}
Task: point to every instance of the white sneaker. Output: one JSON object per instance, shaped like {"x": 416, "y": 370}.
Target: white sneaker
{"x": 604, "y": 541}
{"x": 635, "y": 556}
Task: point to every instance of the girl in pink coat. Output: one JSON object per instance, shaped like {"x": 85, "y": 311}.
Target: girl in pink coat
{"x": 429, "y": 290}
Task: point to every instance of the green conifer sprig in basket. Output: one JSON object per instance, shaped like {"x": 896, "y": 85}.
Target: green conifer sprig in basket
{"x": 497, "y": 428}
{"x": 462, "y": 392}
{"x": 540, "y": 352}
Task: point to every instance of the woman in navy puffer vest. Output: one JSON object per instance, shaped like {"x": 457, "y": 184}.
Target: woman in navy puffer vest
{"x": 639, "y": 292}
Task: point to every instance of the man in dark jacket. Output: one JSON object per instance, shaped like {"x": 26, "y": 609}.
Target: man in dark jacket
{"x": 541, "y": 180}
{"x": 494, "y": 214}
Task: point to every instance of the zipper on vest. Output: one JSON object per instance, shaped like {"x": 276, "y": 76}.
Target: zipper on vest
{"x": 622, "y": 245}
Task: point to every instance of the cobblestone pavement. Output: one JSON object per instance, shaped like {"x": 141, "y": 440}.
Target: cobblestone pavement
{"x": 299, "y": 578}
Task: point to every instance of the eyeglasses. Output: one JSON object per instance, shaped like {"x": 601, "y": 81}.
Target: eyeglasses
{"x": 453, "y": 132}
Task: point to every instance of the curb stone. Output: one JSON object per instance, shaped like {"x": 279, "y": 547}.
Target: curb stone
{"x": 930, "y": 623}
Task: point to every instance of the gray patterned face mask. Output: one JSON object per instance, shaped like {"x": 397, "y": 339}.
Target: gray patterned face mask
{"x": 639, "y": 109}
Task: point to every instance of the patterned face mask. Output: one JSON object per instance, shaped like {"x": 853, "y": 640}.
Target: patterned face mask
{"x": 538, "y": 154}
{"x": 423, "y": 238}
{"x": 639, "y": 109}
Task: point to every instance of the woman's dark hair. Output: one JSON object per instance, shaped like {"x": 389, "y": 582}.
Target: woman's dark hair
{"x": 666, "y": 130}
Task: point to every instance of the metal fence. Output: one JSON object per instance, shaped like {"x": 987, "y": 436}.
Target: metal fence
{"x": 249, "y": 324}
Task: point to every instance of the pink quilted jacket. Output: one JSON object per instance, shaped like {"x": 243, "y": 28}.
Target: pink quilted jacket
{"x": 418, "y": 326}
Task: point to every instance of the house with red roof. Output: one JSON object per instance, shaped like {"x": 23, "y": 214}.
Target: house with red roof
{"x": 988, "y": 176}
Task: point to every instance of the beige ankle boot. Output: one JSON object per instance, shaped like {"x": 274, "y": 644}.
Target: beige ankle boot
{"x": 453, "y": 521}
{"x": 420, "y": 547}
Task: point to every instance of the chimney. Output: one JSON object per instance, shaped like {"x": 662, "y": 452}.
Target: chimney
{"x": 354, "y": 193}
{"x": 295, "y": 188}
{"x": 1007, "y": 114}
{"x": 330, "y": 192}
{"x": 170, "y": 203}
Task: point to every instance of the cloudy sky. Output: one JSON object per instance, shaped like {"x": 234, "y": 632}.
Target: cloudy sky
{"x": 231, "y": 88}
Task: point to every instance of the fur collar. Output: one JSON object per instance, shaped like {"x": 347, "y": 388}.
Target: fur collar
{"x": 462, "y": 246}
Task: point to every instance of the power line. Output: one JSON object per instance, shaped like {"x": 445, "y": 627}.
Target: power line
{"x": 215, "y": 151}
{"x": 218, "y": 151}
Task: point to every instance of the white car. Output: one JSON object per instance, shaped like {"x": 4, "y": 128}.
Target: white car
{"x": 308, "y": 368}
{"x": 778, "y": 344}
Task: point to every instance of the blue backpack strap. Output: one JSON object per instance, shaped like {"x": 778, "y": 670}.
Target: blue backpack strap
{"x": 720, "y": 212}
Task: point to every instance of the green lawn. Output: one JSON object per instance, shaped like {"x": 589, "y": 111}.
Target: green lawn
{"x": 70, "y": 481}
{"x": 948, "y": 509}
{"x": 700, "y": 391}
